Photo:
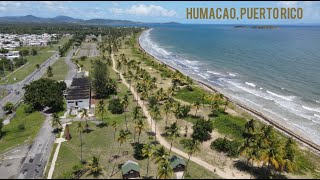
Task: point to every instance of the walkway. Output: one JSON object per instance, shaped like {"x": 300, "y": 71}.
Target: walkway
{"x": 56, "y": 153}
{"x": 228, "y": 173}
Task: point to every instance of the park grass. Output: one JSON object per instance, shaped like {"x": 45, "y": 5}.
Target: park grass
{"x": 190, "y": 96}
{"x": 13, "y": 137}
{"x": 230, "y": 125}
{"x": 59, "y": 70}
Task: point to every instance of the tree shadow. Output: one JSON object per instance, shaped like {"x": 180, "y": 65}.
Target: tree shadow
{"x": 138, "y": 151}
{"x": 258, "y": 172}
{"x": 147, "y": 177}
{"x": 102, "y": 125}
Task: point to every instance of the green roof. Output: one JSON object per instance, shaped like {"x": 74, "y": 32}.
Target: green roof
{"x": 176, "y": 160}
{"x": 129, "y": 166}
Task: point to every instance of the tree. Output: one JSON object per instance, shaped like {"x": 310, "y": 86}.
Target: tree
{"x": 202, "y": 129}
{"x": 165, "y": 170}
{"x": 173, "y": 132}
{"x": 182, "y": 111}
{"x": 160, "y": 154}
{"x": 115, "y": 106}
{"x": 94, "y": 166}
{"x": 197, "y": 105}
{"x": 101, "y": 108}
{"x": 37, "y": 66}
{"x": 85, "y": 115}
{"x": 45, "y": 93}
{"x": 103, "y": 85}
{"x": 147, "y": 151}
{"x": 125, "y": 103}
{"x": 139, "y": 126}
{"x": 24, "y": 52}
{"x": 155, "y": 111}
{"x": 1, "y": 126}
{"x": 56, "y": 122}
{"x": 79, "y": 129}
{"x": 192, "y": 146}
{"x": 167, "y": 109}
{"x": 122, "y": 138}
{"x": 114, "y": 126}
{"x": 8, "y": 107}
{"x": 49, "y": 71}
{"x": 34, "y": 52}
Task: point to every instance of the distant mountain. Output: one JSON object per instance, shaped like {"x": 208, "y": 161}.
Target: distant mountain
{"x": 67, "y": 19}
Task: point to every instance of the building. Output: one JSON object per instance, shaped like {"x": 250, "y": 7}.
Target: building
{"x": 177, "y": 163}
{"x": 78, "y": 96}
{"x": 130, "y": 170}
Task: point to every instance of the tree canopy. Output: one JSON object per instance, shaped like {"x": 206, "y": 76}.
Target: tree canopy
{"x": 45, "y": 93}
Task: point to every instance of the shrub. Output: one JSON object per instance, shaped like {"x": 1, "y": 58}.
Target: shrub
{"x": 202, "y": 130}
{"x": 28, "y": 109}
{"x": 21, "y": 127}
{"x": 227, "y": 146}
{"x": 116, "y": 106}
{"x": 8, "y": 107}
{"x": 152, "y": 101}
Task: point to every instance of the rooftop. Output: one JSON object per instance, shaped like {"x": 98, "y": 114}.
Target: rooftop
{"x": 176, "y": 160}
{"x": 79, "y": 89}
{"x": 129, "y": 166}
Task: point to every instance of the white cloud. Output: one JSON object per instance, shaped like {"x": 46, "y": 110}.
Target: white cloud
{"x": 145, "y": 10}
{"x": 288, "y": 3}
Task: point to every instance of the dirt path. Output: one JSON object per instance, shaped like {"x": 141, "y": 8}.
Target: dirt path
{"x": 227, "y": 173}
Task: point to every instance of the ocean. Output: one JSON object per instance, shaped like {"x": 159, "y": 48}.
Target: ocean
{"x": 275, "y": 71}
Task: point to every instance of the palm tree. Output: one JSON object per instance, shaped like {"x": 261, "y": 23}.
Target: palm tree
{"x": 49, "y": 71}
{"x": 160, "y": 154}
{"x": 56, "y": 122}
{"x": 115, "y": 126}
{"x": 125, "y": 104}
{"x": 122, "y": 138}
{"x": 101, "y": 108}
{"x": 197, "y": 105}
{"x": 79, "y": 129}
{"x": 192, "y": 146}
{"x": 139, "y": 126}
{"x": 94, "y": 166}
{"x": 157, "y": 115}
{"x": 173, "y": 132}
{"x": 165, "y": 170}
{"x": 167, "y": 108}
{"x": 147, "y": 151}
{"x": 84, "y": 114}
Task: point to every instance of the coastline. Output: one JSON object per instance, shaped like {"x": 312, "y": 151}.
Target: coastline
{"x": 301, "y": 139}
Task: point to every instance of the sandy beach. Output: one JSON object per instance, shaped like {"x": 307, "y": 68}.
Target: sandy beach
{"x": 279, "y": 124}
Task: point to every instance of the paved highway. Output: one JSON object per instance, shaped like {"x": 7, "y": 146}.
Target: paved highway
{"x": 37, "y": 74}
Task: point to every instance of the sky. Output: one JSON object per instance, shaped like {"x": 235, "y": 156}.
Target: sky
{"x": 153, "y": 11}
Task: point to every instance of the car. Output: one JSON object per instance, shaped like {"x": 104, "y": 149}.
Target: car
{"x": 17, "y": 92}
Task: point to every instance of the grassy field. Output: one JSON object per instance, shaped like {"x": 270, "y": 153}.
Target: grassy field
{"x": 43, "y": 54}
{"x": 59, "y": 70}
{"x": 14, "y": 136}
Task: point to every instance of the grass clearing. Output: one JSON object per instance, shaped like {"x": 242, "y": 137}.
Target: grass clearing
{"x": 14, "y": 136}
{"x": 230, "y": 125}
{"x": 59, "y": 70}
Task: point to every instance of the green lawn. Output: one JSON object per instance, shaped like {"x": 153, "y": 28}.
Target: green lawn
{"x": 190, "y": 96}
{"x": 230, "y": 125}
{"x": 59, "y": 70}
{"x": 13, "y": 136}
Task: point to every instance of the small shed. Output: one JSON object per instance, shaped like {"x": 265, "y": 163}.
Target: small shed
{"x": 177, "y": 163}
{"x": 130, "y": 169}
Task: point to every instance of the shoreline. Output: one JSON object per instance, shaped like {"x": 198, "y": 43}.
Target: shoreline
{"x": 252, "y": 112}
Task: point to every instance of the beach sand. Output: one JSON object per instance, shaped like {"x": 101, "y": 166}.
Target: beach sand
{"x": 279, "y": 124}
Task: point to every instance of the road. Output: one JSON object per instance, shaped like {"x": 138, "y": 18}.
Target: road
{"x": 38, "y": 155}
{"x": 29, "y": 161}
{"x": 35, "y": 75}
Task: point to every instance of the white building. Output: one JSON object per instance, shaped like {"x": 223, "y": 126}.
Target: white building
{"x": 78, "y": 96}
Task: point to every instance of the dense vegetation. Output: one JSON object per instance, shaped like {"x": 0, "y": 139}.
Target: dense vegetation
{"x": 45, "y": 93}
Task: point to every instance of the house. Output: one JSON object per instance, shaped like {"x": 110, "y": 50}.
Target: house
{"x": 130, "y": 170}
{"x": 177, "y": 163}
{"x": 78, "y": 96}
